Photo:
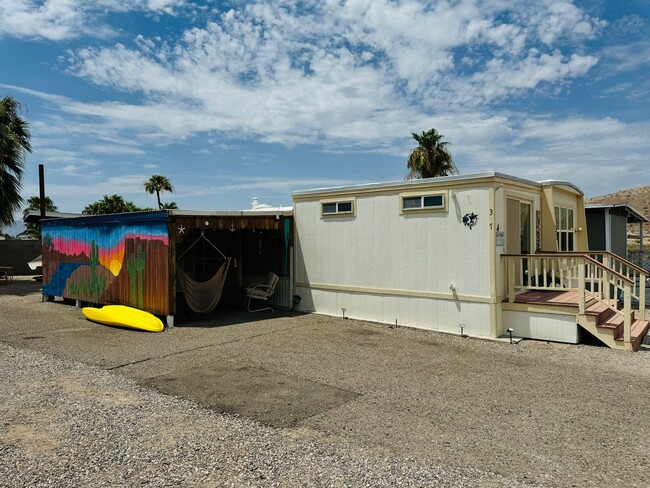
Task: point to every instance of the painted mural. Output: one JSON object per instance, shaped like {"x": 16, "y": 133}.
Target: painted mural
{"x": 108, "y": 263}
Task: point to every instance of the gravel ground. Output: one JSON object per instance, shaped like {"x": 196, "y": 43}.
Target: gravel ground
{"x": 335, "y": 402}
{"x": 68, "y": 424}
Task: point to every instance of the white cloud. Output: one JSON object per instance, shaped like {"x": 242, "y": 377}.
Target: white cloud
{"x": 357, "y": 75}
{"x": 351, "y": 72}
{"x": 58, "y": 20}
{"x": 112, "y": 149}
{"x": 627, "y": 57}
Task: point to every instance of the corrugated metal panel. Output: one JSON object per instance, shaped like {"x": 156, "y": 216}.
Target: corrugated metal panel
{"x": 281, "y": 298}
{"x": 120, "y": 259}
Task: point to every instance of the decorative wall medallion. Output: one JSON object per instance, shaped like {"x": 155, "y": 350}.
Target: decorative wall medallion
{"x": 181, "y": 230}
{"x": 470, "y": 220}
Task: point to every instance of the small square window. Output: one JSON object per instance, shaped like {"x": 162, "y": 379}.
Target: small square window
{"x": 412, "y": 202}
{"x": 344, "y": 207}
{"x": 329, "y": 208}
{"x": 337, "y": 208}
{"x": 423, "y": 202}
{"x": 433, "y": 201}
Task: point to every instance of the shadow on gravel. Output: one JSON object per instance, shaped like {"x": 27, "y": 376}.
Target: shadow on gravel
{"x": 223, "y": 316}
{"x": 20, "y": 286}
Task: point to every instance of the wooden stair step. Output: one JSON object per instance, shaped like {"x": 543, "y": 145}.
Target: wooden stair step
{"x": 612, "y": 322}
{"x": 596, "y": 308}
{"x": 639, "y": 328}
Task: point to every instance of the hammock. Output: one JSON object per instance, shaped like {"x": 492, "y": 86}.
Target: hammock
{"x": 203, "y": 297}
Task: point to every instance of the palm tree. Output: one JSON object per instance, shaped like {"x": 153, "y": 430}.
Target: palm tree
{"x": 34, "y": 203}
{"x": 14, "y": 143}
{"x": 431, "y": 158}
{"x": 110, "y": 204}
{"x": 158, "y": 184}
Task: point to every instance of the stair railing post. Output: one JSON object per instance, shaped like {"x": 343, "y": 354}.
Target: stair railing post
{"x": 642, "y": 296}
{"x": 581, "y": 286}
{"x": 511, "y": 279}
{"x": 607, "y": 280}
{"x": 627, "y": 314}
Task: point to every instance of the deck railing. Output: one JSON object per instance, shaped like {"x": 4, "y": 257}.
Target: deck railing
{"x": 627, "y": 268}
{"x": 602, "y": 275}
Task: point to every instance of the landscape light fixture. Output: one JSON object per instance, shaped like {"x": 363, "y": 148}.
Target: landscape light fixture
{"x": 510, "y": 330}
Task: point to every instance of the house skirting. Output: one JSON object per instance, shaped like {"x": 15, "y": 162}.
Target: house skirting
{"x": 542, "y": 326}
{"x": 441, "y": 314}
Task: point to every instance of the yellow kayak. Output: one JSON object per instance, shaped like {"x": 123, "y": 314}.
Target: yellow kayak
{"x": 123, "y": 316}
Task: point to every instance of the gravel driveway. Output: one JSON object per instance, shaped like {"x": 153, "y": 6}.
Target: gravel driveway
{"x": 307, "y": 400}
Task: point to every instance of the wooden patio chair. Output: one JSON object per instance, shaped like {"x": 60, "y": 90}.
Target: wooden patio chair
{"x": 261, "y": 292}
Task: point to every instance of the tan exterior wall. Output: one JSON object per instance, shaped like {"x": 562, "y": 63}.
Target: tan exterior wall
{"x": 382, "y": 264}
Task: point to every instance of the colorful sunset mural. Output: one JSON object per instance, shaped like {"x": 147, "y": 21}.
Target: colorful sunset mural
{"x": 89, "y": 259}
{"x": 110, "y": 242}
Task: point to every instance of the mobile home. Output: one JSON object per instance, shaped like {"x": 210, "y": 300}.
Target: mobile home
{"x": 472, "y": 253}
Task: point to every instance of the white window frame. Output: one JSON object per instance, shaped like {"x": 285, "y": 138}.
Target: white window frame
{"x": 422, "y": 208}
{"x": 562, "y": 233}
{"x": 339, "y": 213}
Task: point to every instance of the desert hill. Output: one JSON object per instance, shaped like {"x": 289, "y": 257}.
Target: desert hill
{"x": 638, "y": 198}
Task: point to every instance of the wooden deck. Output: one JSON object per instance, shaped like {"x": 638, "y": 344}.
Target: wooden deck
{"x": 544, "y": 297}
{"x": 604, "y": 318}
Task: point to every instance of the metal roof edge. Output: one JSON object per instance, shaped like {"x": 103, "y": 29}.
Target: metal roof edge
{"x": 561, "y": 183}
{"x": 639, "y": 216}
{"x": 35, "y": 215}
{"x": 284, "y": 211}
{"x": 414, "y": 183}
{"x": 145, "y": 216}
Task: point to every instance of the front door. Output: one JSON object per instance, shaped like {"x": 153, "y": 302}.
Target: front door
{"x": 518, "y": 227}
{"x": 518, "y": 233}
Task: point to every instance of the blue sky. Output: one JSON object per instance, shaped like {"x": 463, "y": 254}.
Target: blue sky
{"x": 237, "y": 99}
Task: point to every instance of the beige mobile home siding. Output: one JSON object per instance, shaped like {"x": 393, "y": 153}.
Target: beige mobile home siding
{"x": 384, "y": 266}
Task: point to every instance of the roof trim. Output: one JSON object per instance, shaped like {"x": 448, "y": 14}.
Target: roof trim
{"x": 443, "y": 180}
{"x": 117, "y": 218}
{"x": 638, "y": 216}
{"x": 561, "y": 183}
{"x": 35, "y": 216}
{"x": 281, "y": 211}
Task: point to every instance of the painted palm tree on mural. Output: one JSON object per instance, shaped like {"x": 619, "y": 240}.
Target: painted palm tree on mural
{"x": 14, "y": 144}
{"x": 158, "y": 184}
{"x": 431, "y": 158}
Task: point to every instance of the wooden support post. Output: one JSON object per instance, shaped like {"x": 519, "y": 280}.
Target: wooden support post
{"x": 627, "y": 314}
{"x": 511, "y": 279}
{"x": 641, "y": 297}
{"x": 641, "y": 254}
{"x": 581, "y": 287}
